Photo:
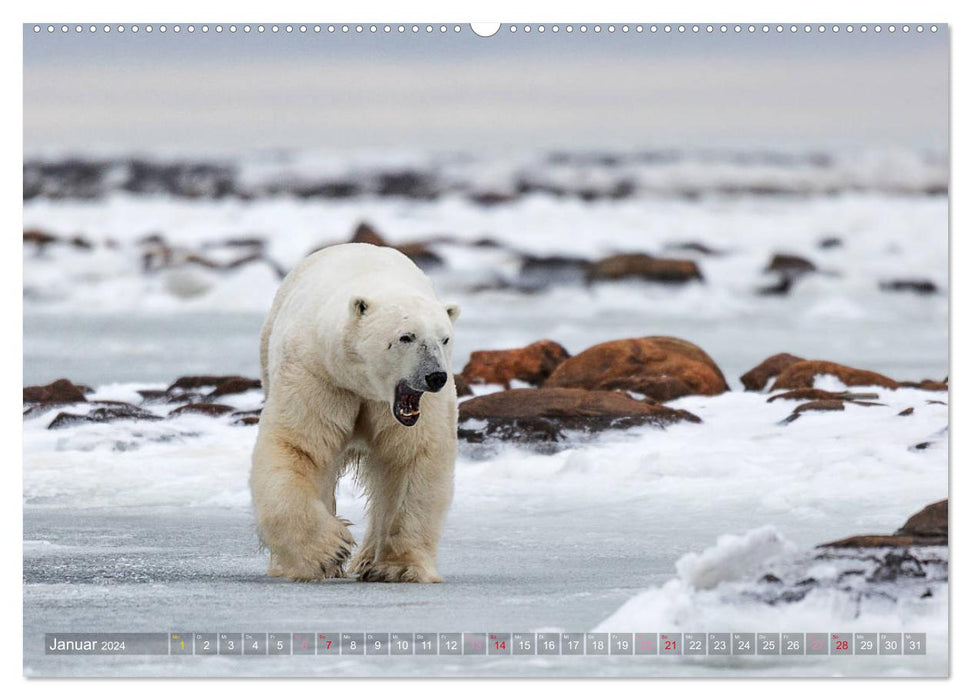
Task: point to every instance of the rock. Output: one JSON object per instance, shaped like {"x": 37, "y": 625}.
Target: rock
{"x": 542, "y": 415}
{"x": 757, "y": 377}
{"x": 58, "y": 392}
{"x": 421, "y": 255}
{"x": 153, "y": 395}
{"x": 695, "y": 247}
{"x": 532, "y": 364}
{"x": 907, "y": 412}
{"x": 781, "y": 288}
{"x": 206, "y": 409}
{"x": 830, "y": 242}
{"x": 539, "y": 272}
{"x": 461, "y": 386}
{"x": 643, "y": 267}
{"x": 491, "y": 198}
{"x": 104, "y": 414}
{"x": 419, "y": 252}
{"x": 929, "y": 522}
{"x": 39, "y": 239}
{"x": 246, "y": 417}
{"x": 802, "y": 375}
{"x": 918, "y": 286}
{"x": 660, "y": 367}
{"x": 926, "y": 385}
{"x": 925, "y": 528}
{"x": 822, "y": 405}
{"x": 790, "y": 264}
{"x": 821, "y": 394}
{"x": 222, "y": 384}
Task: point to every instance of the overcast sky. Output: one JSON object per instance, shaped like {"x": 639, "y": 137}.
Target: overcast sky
{"x": 238, "y": 93}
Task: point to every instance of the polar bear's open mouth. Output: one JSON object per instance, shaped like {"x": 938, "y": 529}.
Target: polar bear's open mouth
{"x": 406, "y": 404}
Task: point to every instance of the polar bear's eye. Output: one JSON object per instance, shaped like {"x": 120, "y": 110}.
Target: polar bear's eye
{"x": 407, "y": 338}
{"x": 445, "y": 342}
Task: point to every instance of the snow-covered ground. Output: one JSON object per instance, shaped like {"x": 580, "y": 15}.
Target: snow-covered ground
{"x": 146, "y": 526}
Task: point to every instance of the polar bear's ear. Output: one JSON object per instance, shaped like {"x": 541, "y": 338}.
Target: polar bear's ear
{"x": 453, "y": 311}
{"x": 359, "y": 306}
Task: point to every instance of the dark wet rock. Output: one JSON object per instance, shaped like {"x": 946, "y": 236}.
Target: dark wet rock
{"x": 103, "y": 414}
{"x": 61, "y": 391}
{"x": 491, "y": 198}
{"x": 205, "y": 409}
{"x": 822, "y": 405}
{"x": 770, "y": 578}
{"x": 757, "y": 377}
{"x": 695, "y": 247}
{"x": 907, "y": 412}
{"x": 917, "y": 286}
{"x": 153, "y": 395}
{"x": 221, "y": 385}
{"x": 790, "y": 264}
{"x": 830, "y": 242}
{"x": 532, "y": 364}
{"x": 821, "y": 394}
{"x": 788, "y": 269}
{"x": 929, "y": 527}
{"x": 539, "y": 272}
{"x": 545, "y": 415}
{"x": 780, "y": 287}
{"x": 639, "y": 266}
{"x": 659, "y": 367}
{"x": 246, "y": 417}
{"x": 802, "y": 375}
{"x": 419, "y": 252}
{"x": 462, "y": 386}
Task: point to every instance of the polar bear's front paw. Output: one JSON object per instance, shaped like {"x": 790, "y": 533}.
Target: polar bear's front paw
{"x": 397, "y": 572}
{"x": 323, "y": 557}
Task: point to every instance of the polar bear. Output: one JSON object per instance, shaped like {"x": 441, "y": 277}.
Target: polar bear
{"x": 356, "y": 362}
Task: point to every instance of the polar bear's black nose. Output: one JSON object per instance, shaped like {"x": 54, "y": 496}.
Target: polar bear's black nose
{"x": 436, "y": 380}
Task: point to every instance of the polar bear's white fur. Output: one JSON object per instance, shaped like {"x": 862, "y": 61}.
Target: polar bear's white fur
{"x": 356, "y": 361}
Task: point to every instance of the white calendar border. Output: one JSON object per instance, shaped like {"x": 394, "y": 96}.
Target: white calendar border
{"x": 831, "y": 11}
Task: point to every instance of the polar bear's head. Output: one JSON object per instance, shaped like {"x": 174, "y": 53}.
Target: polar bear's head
{"x": 405, "y": 346}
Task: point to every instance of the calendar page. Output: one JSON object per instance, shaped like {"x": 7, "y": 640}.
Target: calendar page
{"x": 512, "y": 350}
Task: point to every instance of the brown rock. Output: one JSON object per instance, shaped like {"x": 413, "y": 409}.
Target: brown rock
{"x": 790, "y": 264}
{"x": 461, "y": 386}
{"x": 206, "y": 409}
{"x": 644, "y": 267}
{"x": 802, "y": 375}
{"x": 60, "y": 391}
{"x": 657, "y": 366}
{"x": 863, "y": 541}
{"x": 926, "y": 528}
{"x": 929, "y": 522}
{"x": 38, "y": 238}
{"x": 541, "y": 415}
{"x": 757, "y": 377}
{"x": 907, "y": 412}
{"x": 365, "y": 233}
{"x": 531, "y": 364}
{"x": 926, "y": 385}
{"x": 246, "y": 417}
